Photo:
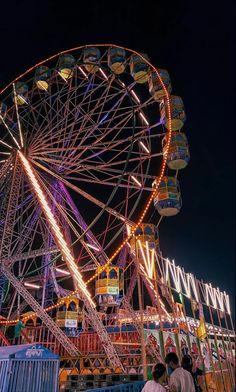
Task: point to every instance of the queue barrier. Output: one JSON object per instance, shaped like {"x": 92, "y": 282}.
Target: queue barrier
{"x": 130, "y": 387}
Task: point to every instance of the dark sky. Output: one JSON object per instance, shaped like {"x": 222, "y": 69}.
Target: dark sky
{"x": 195, "y": 42}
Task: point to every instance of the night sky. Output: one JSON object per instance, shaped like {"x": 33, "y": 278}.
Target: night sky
{"x": 194, "y": 42}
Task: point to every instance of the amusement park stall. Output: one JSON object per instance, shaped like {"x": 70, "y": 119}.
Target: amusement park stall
{"x": 28, "y": 368}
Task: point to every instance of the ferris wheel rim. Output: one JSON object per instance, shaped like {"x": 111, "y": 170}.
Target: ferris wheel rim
{"x": 107, "y": 45}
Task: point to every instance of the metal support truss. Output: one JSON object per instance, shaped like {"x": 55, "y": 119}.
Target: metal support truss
{"x": 31, "y": 254}
{"x": 47, "y": 320}
{"x": 7, "y": 217}
{"x": 9, "y": 210}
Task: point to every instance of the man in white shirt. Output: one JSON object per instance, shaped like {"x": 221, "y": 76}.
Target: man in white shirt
{"x": 181, "y": 379}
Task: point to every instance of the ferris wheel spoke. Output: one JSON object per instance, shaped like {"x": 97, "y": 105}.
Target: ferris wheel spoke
{"x": 81, "y": 98}
{"x": 10, "y": 133}
{"x": 18, "y": 117}
{"x": 83, "y": 193}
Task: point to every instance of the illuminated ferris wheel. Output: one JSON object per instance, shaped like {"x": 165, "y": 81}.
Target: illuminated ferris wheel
{"x": 88, "y": 135}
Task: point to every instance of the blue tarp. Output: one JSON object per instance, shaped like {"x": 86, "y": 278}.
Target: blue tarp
{"x": 27, "y": 351}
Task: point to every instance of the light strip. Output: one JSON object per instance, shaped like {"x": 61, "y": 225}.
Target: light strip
{"x": 59, "y": 73}
{"x": 92, "y": 246}
{"x": 143, "y": 255}
{"x": 135, "y": 96}
{"x": 135, "y": 180}
{"x": 55, "y": 228}
{"x": 33, "y": 286}
{"x": 144, "y": 118}
{"x": 64, "y": 272}
{"x": 144, "y": 147}
{"x": 82, "y": 71}
{"x": 103, "y": 73}
{"x": 17, "y": 115}
{"x": 149, "y": 261}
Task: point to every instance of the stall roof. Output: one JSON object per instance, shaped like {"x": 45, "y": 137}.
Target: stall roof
{"x": 27, "y": 351}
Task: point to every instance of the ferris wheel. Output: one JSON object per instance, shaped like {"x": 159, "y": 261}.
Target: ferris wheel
{"x": 87, "y": 136}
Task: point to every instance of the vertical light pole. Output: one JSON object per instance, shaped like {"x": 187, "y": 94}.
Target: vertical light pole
{"x": 143, "y": 350}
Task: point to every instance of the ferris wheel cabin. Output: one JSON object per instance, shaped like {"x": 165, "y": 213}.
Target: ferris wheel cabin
{"x": 116, "y": 60}
{"x": 178, "y": 116}
{"x": 108, "y": 286}
{"x": 65, "y": 66}
{"x": 178, "y": 154}
{"x": 139, "y": 69}
{"x": 21, "y": 93}
{"x": 91, "y": 57}
{"x": 42, "y": 75}
{"x": 168, "y": 199}
{"x": 145, "y": 233}
{"x": 155, "y": 87}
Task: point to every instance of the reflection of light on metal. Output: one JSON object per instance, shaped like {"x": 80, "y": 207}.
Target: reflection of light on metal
{"x": 18, "y": 117}
{"x": 103, "y": 73}
{"x": 144, "y": 118}
{"x": 61, "y": 75}
{"x": 55, "y": 228}
{"x": 144, "y": 147}
{"x": 64, "y": 272}
{"x": 82, "y": 71}
{"x": 135, "y": 180}
{"x": 186, "y": 282}
{"x": 32, "y": 285}
{"x": 150, "y": 268}
{"x": 226, "y": 297}
{"x": 92, "y": 247}
{"x": 135, "y": 96}
{"x": 175, "y": 273}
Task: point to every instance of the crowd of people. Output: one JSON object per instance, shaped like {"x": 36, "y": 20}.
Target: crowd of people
{"x": 174, "y": 377}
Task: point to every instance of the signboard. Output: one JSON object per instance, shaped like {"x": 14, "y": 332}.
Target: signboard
{"x": 71, "y": 323}
{"x": 107, "y": 290}
{"x": 113, "y": 290}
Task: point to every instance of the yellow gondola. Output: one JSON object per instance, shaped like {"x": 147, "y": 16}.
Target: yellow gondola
{"x": 108, "y": 285}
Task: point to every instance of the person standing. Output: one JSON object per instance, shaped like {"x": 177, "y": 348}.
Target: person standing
{"x": 17, "y": 330}
{"x": 180, "y": 378}
{"x": 187, "y": 364}
{"x": 159, "y": 382}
